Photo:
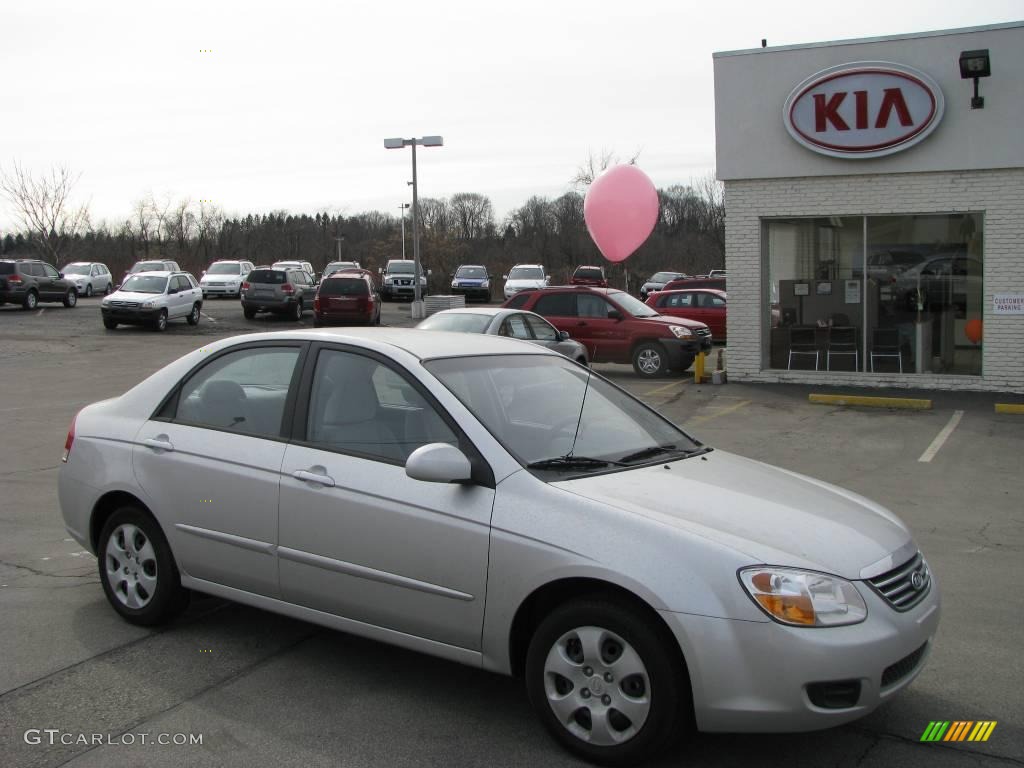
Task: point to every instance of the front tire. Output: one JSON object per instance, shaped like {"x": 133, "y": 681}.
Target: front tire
{"x": 161, "y": 321}
{"x": 109, "y": 324}
{"x": 193, "y": 316}
{"x": 649, "y": 360}
{"x": 71, "y": 298}
{"x": 604, "y": 681}
{"x": 88, "y": 290}
{"x": 137, "y": 570}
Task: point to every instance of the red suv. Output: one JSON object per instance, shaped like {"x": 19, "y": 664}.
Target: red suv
{"x": 347, "y": 297}
{"x": 718, "y": 283}
{"x": 589, "y": 276}
{"x": 618, "y": 328}
{"x": 704, "y": 304}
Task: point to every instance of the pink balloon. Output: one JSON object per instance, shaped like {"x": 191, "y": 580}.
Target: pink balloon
{"x": 621, "y": 209}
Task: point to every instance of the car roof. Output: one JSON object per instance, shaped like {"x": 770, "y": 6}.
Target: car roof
{"x": 421, "y": 344}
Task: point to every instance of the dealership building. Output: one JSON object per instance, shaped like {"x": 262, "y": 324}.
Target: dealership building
{"x": 874, "y": 195}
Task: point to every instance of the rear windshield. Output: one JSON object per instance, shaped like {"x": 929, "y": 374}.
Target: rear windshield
{"x": 6, "y": 269}
{"x": 344, "y": 286}
{"x": 149, "y": 266}
{"x": 271, "y": 276}
{"x": 224, "y": 269}
{"x": 589, "y": 272}
{"x": 337, "y": 266}
{"x": 463, "y": 322}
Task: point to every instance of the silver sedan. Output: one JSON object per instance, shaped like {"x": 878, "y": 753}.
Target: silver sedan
{"x": 513, "y": 323}
{"x": 495, "y": 504}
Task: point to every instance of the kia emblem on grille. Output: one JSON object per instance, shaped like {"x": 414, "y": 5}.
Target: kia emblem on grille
{"x": 917, "y": 580}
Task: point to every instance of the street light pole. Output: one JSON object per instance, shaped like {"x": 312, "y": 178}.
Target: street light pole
{"x": 426, "y": 141}
{"x": 402, "y": 207}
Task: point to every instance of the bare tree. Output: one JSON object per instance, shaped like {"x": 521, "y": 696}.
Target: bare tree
{"x": 594, "y": 166}
{"x": 42, "y": 204}
{"x": 472, "y": 214}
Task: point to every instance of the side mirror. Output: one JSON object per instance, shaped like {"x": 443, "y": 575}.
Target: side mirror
{"x": 438, "y": 463}
{"x": 504, "y": 277}
{"x": 547, "y": 280}
{"x": 614, "y": 314}
{"x": 204, "y": 272}
{"x": 171, "y": 291}
{"x": 60, "y": 274}
{"x": 563, "y": 335}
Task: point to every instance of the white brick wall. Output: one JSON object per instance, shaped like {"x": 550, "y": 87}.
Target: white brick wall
{"x": 999, "y": 194}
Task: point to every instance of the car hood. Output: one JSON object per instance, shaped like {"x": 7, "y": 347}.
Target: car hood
{"x": 672, "y": 320}
{"x": 225, "y": 278}
{"x": 133, "y": 296}
{"x": 773, "y": 515}
{"x": 531, "y": 283}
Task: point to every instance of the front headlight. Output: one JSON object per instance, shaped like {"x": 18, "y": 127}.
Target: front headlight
{"x": 149, "y": 305}
{"x": 389, "y": 280}
{"x": 105, "y": 302}
{"x": 680, "y": 331}
{"x": 804, "y": 598}
{"x": 485, "y": 284}
{"x": 454, "y": 284}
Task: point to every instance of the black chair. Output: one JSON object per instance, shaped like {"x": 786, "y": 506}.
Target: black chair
{"x": 842, "y": 340}
{"x": 885, "y": 342}
{"x": 803, "y": 341}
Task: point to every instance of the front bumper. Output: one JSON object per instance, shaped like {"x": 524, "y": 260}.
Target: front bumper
{"x": 131, "y": 315}
{"x": 750, "y": 676}
{"x": 679, "y": 351}
{"x": 221, "y": 290}
{"x": 471, "y": 291}
{"x": 393, "y": 291}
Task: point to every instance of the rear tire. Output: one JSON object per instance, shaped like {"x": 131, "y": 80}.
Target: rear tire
{"x": 605, "y": 682}
{"x": 250, "y": 314}
{"x": 296, "y": 313}
{"x": 31, "y": 300}
{"x": 193, "y": 316}
{"x": 108, "y": 290}
{"x": 71, "y": 298}
{"x": 137, "y": 569}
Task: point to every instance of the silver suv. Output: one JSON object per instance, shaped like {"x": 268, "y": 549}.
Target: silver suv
{"x": 153, "y": 298}
{"x": 398, "y": 277}
{"x": 287, "y": 292}
{"x": 29, "y": 281}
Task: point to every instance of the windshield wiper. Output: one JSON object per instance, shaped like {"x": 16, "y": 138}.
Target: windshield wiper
{"x": 572, "y": 462}
{"x": 656, "y": 450}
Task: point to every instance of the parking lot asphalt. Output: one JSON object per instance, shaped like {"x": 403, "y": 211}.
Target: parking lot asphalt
{"x": 263, "y": 689}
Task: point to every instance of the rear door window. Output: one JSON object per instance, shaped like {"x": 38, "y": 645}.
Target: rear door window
{"x": 556, "y": 305}
{"x": 588, "y": 305}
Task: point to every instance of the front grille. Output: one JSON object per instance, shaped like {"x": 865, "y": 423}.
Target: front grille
{"x": 703, "y": 331}
{"x": 896, "y": 672}
{"x": 127, "y": 304}
{"x": 904, "y": 586}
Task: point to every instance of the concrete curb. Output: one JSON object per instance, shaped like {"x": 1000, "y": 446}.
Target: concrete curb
{"x": 907, "y": 403}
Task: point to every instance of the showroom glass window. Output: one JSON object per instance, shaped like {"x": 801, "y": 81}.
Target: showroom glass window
{"x": 883, "y": 294}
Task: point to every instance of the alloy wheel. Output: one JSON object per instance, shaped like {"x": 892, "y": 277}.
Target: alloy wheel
{"x": 649, "y": 361}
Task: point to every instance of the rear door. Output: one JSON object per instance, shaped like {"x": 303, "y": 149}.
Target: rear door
{"x": 210, "y": 460}
{"x": 712, "y": 309}
{"x": 559, "y": 309}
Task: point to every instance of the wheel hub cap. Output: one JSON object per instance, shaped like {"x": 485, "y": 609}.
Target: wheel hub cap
{"x": 131, "y": 566}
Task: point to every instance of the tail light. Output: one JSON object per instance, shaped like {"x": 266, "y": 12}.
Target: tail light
{"x": 288, "y": 288}
{"x": 316, "y": 303}
{"x": 245, "y": 286}
{"x": 15, "y": 279}
{"x": 68, "y": 442}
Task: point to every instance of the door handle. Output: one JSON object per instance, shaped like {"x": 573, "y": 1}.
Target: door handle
{"x": 158, "y": 443}
{"x": 581, "y": 322}
{"x": 314, "y": 477}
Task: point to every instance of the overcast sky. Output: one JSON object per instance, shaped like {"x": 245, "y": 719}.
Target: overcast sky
{"x": 290, "y": 107}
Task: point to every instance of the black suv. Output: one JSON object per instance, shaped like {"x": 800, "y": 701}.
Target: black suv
{"x": 29, "y": 281}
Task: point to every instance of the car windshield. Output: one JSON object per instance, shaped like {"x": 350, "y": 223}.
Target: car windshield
{"x": 148, "y": 266}
{"x": 473, "y": 273}
{"x": 272, "y": 276}
{"x": 589, "y": 272}
{"x": 401, "y": 269}
{"x": 344, "y": 286}
{"x": 224, "y": 269}
{"x": 145, "y": 284}
{"x": 77, "y": 269}
{"x": 532, "y": 405}
{"x": 633, "y": 306}
{"x": 463, "y": 322}
{"x": 526, "y": 273}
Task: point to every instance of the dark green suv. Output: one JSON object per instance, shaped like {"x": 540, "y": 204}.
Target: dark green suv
{"x": 29, "y": 281}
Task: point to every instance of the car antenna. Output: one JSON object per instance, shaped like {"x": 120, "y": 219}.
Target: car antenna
{"x": 579, "y": 420}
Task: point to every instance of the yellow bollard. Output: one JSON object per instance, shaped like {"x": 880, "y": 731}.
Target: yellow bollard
{"x": 698, "y": 369}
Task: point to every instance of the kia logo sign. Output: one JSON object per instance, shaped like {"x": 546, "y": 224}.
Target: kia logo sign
{"x": 863, "y": 109}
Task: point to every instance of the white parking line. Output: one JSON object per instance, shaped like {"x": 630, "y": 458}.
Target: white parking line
{"x": 208, "y": 317}
{"x": 941, "y": 438}
{"x": 40, "y": 311}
